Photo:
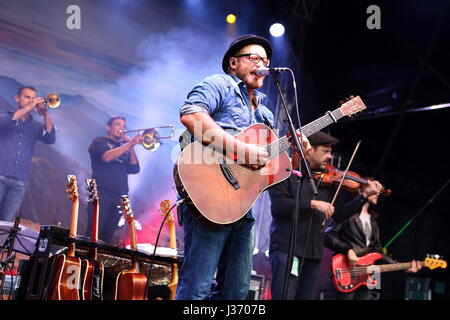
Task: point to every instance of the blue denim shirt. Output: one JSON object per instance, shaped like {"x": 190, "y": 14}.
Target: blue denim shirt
{"x": 17, "y": 142}
{"x": 224, "y": 97}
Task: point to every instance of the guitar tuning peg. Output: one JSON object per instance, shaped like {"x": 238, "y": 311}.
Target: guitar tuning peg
{"x": 120, "y": 211}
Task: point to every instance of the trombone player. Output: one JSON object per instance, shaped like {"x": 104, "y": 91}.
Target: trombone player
{"x": 19, "y": 133}
{"x": 113, "y": 158}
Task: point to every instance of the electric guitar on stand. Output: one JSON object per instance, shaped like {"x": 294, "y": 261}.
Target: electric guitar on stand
{"x": 92, "y": 270}
{"x": 347, "y": 280}
{"x": 165, "y": 207}
{"x": 65, "y": 277}
{"x": 131, "y": 284}
{"x": 201, "y": 171}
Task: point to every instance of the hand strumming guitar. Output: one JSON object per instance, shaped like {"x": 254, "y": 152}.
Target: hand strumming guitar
{"x": 352, "y": 258}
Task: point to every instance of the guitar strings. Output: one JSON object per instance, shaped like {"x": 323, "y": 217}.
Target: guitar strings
{"x": 356, "y": 271}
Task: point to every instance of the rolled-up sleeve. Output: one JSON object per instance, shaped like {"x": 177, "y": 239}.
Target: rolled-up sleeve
{"x": 205, "y": 97}
{"x": 48, "y": 137}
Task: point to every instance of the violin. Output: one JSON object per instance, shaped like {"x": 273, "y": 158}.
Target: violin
{"x": 331, "y": 176}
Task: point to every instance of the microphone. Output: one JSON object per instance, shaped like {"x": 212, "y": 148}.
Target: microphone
{"x": 263, "y": 71}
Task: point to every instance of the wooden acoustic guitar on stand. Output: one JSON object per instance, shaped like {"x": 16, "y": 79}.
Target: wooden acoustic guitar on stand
{"x": 92, "y": 270}
{"x": 131, "y": 284}
{"x": 65, "y": 277}
{"x": 165, "y": 207}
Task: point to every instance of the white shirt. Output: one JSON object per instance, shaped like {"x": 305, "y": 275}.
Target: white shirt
{"x": 367, "y": 226}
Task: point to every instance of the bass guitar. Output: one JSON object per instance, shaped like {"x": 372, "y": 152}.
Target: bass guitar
{"x": 130, "y": 284}
{"x": 347, "y": 280}
{"x": 165, "y": 207}
{"x": 92, "y": 270}
{"x": 65, "y": 276}
{"x": 202, "y": 172}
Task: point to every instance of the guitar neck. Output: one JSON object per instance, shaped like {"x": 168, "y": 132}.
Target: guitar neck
{"x": 133, "y": 244}
{"x": 95, "y": 228}
{"x": 397, "y": 266}
{"x": 73, "y": 227}
{"x": 173, "y": 245}
{"x": 283, "y": 144}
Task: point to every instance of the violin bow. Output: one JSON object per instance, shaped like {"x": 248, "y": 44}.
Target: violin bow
{"x": 342, "y": 179}
{"x": 345, "y": 173}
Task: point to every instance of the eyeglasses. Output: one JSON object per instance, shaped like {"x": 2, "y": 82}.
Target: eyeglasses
{"x": 255, "y": 58}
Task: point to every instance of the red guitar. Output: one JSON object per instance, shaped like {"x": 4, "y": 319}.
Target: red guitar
{"x": 165, "y": 207}
{"x": 92, "y": 270}
{"x": 131, "y": 284}
{"x": 201, "y": 171}
{"x": 65, "y": 277}
{"x": 347, "y": 280}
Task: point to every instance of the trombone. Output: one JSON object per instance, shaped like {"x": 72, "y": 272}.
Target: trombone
{"x": 151, "y": 136}
{"x": 51, "y": 101}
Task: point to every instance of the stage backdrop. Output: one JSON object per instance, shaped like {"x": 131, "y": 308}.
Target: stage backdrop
{"x": 136, "y": 59}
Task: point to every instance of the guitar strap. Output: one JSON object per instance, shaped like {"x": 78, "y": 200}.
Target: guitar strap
{"x": 267, "y": 122}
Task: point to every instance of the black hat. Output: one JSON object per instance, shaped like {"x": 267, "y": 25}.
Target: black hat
{"x": 322, "y": 138}
{"x": 241, "y": 42}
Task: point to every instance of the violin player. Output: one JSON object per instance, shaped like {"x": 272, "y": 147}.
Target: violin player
{"x": 312, "y": 212}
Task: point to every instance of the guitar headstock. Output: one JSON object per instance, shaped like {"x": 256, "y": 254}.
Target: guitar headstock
{"x": 352, "y": 106}
{"x": 164, "y": 206}
{"x": 72, "y": 187}
{"x": 434, "y": 261}
{"x": 92, "y": 189}
{"x": 125, "y": 209}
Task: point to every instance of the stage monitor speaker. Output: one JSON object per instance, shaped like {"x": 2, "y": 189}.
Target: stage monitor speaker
{"x": 38, "y": 269}
{"x": 417, "y": 289}
{"x": 256, "y": 287}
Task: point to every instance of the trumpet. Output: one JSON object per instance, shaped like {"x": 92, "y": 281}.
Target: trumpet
{"x": 151, "y": 136}
{"x": 51, "y": 101}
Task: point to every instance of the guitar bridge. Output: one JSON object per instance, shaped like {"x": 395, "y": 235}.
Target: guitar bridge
{"x": 338, "y": 273}
{"x": 228, "y": 174}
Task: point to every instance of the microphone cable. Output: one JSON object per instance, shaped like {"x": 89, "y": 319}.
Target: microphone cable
{"x": 156, "y": 245}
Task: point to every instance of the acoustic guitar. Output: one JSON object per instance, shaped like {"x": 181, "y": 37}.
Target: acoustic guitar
{"x": 347, "y": 280}
{"x": 65, "y": 276}
{"x": 173, "y": 283}
{"x": 130, "y": 284}
{"x": 223, "y": 190}
{"x": 92, "y": 270}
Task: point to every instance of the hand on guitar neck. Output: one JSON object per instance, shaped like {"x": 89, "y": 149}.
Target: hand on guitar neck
{"x": 347, "y": 279}
{"x": 201, "y": 172}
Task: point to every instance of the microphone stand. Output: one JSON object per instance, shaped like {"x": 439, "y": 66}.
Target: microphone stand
{"x": 9, "y": 245}
{"x": 308, "y": 176}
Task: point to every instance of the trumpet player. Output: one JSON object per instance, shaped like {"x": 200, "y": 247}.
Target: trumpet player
{"x": 113, "y": 158}
{"x": 19, "y": 133}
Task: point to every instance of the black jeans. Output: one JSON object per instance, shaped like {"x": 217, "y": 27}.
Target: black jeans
{"x": 303, "y": 287}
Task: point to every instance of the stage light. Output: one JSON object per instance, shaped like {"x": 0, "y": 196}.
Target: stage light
{"x": 231, "y": 18}
{"x": 276, "y": 30}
